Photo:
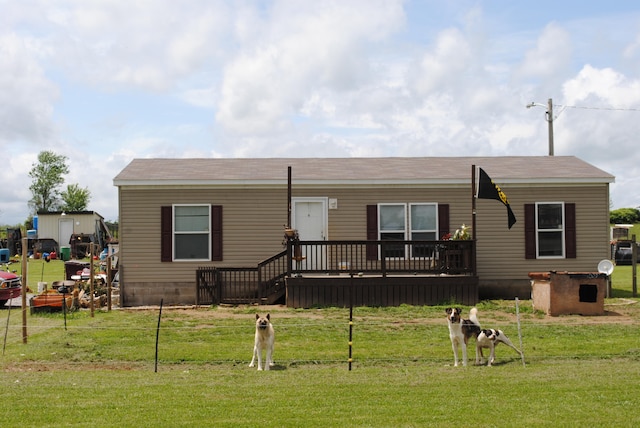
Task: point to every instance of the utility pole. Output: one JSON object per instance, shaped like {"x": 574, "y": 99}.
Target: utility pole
{"x": 549, "y": 119}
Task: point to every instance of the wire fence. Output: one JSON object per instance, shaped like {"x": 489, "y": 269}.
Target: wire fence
{"x": 351, "y": 339}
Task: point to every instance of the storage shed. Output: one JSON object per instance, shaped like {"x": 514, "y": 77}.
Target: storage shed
{"x": 83, "y": 226}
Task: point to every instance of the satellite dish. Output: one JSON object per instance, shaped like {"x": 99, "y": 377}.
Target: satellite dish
{"x": 605, "y": 266}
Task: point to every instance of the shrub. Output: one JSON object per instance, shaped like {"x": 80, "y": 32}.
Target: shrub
{"x": 624, "y": 216}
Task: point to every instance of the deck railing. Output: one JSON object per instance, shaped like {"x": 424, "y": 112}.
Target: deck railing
{"x": 242, "y": 284}
{"x": 455, "y": 257}
{"x": 260, "y": 284}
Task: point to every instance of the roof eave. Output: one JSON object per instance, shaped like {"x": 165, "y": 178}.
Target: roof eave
{"x": 350, "y": 183}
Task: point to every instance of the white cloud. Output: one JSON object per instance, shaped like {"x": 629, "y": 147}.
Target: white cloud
{"x": 600, "y": 124}
{"x": 15, "y": 194}
{"x": 144, "y": 44}
{"x": 551, "y": 56}
{"x": 200, "y": 96}
{"x": 306, "y": 48}
{"x": 632, "y": 50}
{"x": 26, "y": 95}
{"x": 438, "y": 70}
{"x": 607, "y": 87}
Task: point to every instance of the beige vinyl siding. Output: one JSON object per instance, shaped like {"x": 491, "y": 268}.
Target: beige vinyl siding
{"x": 500, "y": 251}
{"x": 253, "y": 222}
{"x": 252, "y": 229}
{"x": 253, "y": 194}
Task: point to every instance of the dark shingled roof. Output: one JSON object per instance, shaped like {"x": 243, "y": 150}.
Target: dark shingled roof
{"x": 505, "y": 169}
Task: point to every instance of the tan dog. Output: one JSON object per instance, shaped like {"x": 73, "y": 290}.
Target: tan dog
{"x": 264, "y": 339}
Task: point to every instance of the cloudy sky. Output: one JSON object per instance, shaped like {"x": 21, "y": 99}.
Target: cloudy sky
{"x": 106, "y": 81}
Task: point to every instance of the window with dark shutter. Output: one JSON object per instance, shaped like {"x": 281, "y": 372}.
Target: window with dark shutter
{"x": 194, "y": 229}
{"x": 529, "y": 231}
{"x": 166, "y": 241}
{"x": 547, "y": 226}
{"x": 570, "y": 230}
{"x": 443, "y": 220}
{"x": 372, "y": 231}
{"x": 216, "y": 233}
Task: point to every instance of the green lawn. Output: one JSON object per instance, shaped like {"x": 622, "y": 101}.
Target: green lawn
{"x": 581, "y": 371}
{"x": 40, "y": 271}
{"x": 100, "y": 371}
{"x": 622, "y": 281}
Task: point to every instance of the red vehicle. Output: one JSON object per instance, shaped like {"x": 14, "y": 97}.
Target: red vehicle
{"x": 10, "y": 286}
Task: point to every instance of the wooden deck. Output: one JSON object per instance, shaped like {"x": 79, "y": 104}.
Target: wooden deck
{"x": 371, "y": 290}
{"x": 340, "y": 273}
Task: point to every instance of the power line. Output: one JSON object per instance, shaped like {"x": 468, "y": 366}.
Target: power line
{"x": 598, "y": 108}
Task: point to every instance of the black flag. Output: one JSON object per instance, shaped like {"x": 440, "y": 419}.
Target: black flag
{"x": 487, "y": 189}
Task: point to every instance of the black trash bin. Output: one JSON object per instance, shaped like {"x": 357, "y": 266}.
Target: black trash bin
{"x": 72, "y": 267}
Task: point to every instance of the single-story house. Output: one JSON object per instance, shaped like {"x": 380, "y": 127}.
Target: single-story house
{"x": 177, "y": 216}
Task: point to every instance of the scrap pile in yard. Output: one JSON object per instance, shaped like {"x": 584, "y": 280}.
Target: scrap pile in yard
{"x": 75, "y": 293}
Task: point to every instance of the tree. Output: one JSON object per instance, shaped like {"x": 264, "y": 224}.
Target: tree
{"x": 47, "y": 176}
{"x": 113, "y": 228}
{"x": 75, "y": 198}
{"x": 624, "y": 216}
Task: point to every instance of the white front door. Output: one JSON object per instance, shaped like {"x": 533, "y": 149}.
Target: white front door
{"x": 65, "y": 230}
{"x": 309, "y": 217}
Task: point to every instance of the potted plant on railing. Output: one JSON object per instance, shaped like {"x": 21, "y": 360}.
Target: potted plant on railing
{"x": 291, "y": 235}
{"x": 455, "y": 256}
{"x": 462, "y": 234}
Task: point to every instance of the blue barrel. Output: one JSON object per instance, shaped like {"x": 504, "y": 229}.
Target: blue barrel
{"x": 4, "y": 255}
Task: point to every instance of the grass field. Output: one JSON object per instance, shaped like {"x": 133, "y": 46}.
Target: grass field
{"x": 100, "y": 371}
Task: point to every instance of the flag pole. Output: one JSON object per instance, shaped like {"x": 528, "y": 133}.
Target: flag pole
{"x": 473, "y": 201}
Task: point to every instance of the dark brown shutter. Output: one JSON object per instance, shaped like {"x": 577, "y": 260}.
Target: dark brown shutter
{"x": 372, "y": 231}
{"x": 443, "y": 220}
{"x": 529, "y": 231}
{"x": 570, "y": 230}
{"x": 216, "y": 233}
{"x": 166, "y": 241}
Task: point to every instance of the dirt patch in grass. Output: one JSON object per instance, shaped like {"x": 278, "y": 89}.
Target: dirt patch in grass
{"x": 617, "y": 311}
{"x": 47, "y": 366}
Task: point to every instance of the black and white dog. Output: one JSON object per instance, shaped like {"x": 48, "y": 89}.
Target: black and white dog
{"x": 490, "y": 338}
{"x": 264, "y": 339}
{"x": 461, "y": 331}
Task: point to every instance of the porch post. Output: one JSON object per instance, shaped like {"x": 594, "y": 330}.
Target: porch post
{"x": 218, "y": 282}
{"x": 383, "y": 259}
{"x": 289, "y": 197}
{"x": 473, "y": 202}
{"x": 289, "y": 257}
{"x": 289, "y": 246}
{"x": 473, "y": 219}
